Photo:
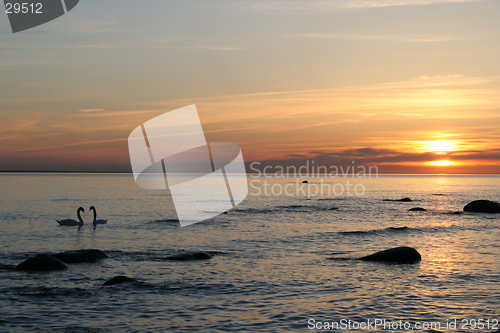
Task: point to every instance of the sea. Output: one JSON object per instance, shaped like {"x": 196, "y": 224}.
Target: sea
{"x": 283, "y": 261}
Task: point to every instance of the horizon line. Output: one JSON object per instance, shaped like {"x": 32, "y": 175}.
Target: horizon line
{"x": 130, "y": 172}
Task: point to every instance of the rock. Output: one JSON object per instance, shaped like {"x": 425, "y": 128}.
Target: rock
{"x": 190, "y": 256}
{"x": 398, "y": 228}
{"x": 334, "y": 208}
{"x": 406, "y": 255}
{"x": 79, "y": 256}
{"x": 305, "y": 182}
{"x": 399, "y": 200}
{"x": 117, "y": 280}
{"x": 41, "y": 262}
{"x": 483, "y": 206}
{"x": 417, "y": 209}
{"x": 453, "y": 213}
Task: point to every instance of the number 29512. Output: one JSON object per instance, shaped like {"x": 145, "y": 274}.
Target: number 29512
{"x": 24, "y": 8}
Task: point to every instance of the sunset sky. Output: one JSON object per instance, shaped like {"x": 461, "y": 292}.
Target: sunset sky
{"x": 412, "y": 86}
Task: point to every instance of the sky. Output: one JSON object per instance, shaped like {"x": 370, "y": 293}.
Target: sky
{"x": 411, "y": 86}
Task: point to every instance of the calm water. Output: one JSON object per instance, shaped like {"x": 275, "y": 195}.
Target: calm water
{"x": 279, "y": 260}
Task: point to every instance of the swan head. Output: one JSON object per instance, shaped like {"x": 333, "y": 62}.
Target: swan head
{"x": 81, "y": 209}
{"x": 92, "y": 208}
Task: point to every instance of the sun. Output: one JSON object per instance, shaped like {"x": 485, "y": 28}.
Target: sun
{"x": 439, "y": 147}
{"x": 442, "y": 163}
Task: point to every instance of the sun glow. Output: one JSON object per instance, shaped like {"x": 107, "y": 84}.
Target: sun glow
{"x": 442, "y": 163}
{"x": 440, "y": 146}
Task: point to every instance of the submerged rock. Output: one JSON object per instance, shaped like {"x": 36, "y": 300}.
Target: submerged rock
{"x": 400, "y": 200}
{"x": 454, "y": 213}
{"x": 117, "y": 280}
{"x": 404, "y": 254}
{"x": 41, "y": 262}
{"x": 79, "y": 256}
{"x": 417, "y": 209}
{"x": 483, "y": 206}
{"x": 305, "y": 182}
{"x": 398, "y": 228}
{"x": 190, "y": 256}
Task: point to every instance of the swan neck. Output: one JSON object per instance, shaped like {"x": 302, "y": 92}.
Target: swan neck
{"x": 79, "y": 216}
{"x": 95, "y": 215}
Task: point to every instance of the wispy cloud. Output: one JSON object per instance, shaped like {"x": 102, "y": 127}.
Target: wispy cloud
{"x": 388, "y": 3}
{"x": 393, "y": 115}
{"x": 393, "y": 38}
{"x": 103, "y": 113}
{"x": 392, "y": 119}
{"x": 92, "y": 110}
{"x": 422, "y": 96}
{"x": 151, "y": 43}
{"x": 56, "y": 146}
{"x": 385, "y": 157}
{"x": 334, "y": 5}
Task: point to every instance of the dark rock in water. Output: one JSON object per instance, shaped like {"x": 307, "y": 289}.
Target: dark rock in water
{"x": 190, "y": 256}
{"x": 41, "y": 262}
{"x": 6, "y": 267}
{"x": 334, "y": 208}
{"x": 399, "y": 200}
{"x": 417, "y": 209}
{"x": 166, "y": 221}
{"x": 79, "y": 256}
{"x": 117, "y": 280}
{"x": 45, "y": 262}
{"x": 404, "y": 255}
{"x": 439, "y": 194}
{"x": 483, "y": 206}
{"x": 305, "y": 182}
{"x": 398, "y": 228}
{"x": 454, "y": 213}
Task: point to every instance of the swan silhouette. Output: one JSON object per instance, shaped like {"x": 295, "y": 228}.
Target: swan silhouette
{"x": 95, "y": 222}
{"x": 71, "y": 221}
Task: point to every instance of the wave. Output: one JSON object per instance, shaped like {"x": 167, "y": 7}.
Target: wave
{"x": 332, "y": 199}
{"x": 78, "y": 329}
{"x": 428, "y": 229}
{"x": 7, "y": 267}
{"x": 41, "y": 291}
{"x": 286, "y": 209}
{"x": 376, "y": 231}
{"x": 137, "y": 285}
{"x": 165, "y": 221}
{"x": 159, "y": 255}
{"x": 65, "y": 199}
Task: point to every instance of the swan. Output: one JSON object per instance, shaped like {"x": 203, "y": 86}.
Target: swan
{"x": 95, "y": 217}
{"x": 71, "y": 221}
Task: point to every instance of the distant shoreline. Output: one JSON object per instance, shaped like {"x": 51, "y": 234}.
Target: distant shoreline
{"x": 129, "y": 172}
{"x": 43, "y": 171}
